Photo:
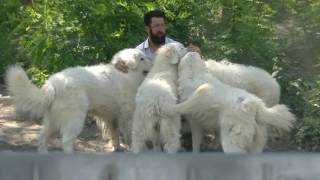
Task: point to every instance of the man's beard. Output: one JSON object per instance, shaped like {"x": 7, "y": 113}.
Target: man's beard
{"x": 157, "y": 39}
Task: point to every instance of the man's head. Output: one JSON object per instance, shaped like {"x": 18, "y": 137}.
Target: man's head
{"x": 155, "y": 26}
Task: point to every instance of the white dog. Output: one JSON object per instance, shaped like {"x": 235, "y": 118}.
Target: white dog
{"x": 67, "y": 96}
{"x": 151, "y": 122}
{"x": 252, "y": 79}
{"x": 241, "y": 117}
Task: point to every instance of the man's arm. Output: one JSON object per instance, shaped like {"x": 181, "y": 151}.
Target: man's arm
{"x": 193, "y": 48}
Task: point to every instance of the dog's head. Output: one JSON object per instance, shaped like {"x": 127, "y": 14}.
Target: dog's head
{"x": 192, "y": 61}
{"x": 173, "y": 52}
{"x": 134, "y": 59}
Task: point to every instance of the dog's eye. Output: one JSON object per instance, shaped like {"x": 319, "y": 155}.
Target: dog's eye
{"x": 142, "y": 59}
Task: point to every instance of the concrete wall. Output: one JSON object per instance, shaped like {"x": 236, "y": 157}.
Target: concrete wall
{"x": 182, "y": 166}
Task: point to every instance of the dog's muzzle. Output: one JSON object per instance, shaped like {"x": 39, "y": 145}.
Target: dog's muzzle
{"x": 145, "y": 72}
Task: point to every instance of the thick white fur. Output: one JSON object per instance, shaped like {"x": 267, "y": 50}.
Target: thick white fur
{"x": 67, "y": 96}
{"x": 240, "y": 116}
{"x": 152, "y": 121}
{"x": 252, "y": 79}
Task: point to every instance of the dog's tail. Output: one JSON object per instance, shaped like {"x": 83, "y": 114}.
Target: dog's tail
{"x": 278, "y": 116}
{"x": 194, "y": 100}
{"x": 26, "y": 96}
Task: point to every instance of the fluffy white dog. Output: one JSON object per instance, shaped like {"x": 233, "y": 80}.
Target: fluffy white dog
{"x": 240, "y": 116}
{"x": 67, "y": 96}
{"x": 252, "y": 79}
{"x": 151, "y": 121}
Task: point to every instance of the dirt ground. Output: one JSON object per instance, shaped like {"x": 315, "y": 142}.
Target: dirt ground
{"x": 21, "y": 134}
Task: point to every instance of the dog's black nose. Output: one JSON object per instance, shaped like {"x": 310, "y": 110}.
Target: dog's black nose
{"x": 145, "y": 73}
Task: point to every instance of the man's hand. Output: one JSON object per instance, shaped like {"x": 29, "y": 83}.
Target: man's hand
{"x": 121, "y": 66}
{"x": 193, "y": 48}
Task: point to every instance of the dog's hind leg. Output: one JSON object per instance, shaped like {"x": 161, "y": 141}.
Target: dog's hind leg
{"x": 71, "y": 114}
{"x": 260, "y": 139}
{"x": 113, "y": 133}
{"x": 71, "y": 128}
{"x": 140, "y": 138}
{"x": 170, "y": 134}
{"x": 142, "y": 133}
{"x": 138, "y": 142}
{"x": 197, "y": 135}
{"x": 45, "y": 133}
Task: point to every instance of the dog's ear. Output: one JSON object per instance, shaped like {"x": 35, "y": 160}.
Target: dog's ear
{"x": 126, "y": 56}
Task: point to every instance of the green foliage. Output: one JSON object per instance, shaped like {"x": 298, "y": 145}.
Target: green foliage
{"x": 248, "y": 38}
{"x": 9, "y": 19}
{"x": 298, "y": 73}
{"x": 302, "y": 96}
{"x": 38, "y": 76}
{"x": 53, "y": 35}
{"x": 307, "y": 134}
{"x": 240, "y": 31}
{"x": 57, "y": 34}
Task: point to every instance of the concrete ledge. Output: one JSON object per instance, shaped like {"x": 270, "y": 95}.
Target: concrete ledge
{"x": 183, "y": 166}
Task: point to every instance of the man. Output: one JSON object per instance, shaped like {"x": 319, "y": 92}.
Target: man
{"x": 155, "y": 27}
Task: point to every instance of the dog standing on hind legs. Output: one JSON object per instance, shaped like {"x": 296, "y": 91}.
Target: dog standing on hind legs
{"x": 151, "y": 123}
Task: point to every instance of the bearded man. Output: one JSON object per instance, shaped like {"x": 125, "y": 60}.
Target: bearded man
{"x": 156, "y": 29}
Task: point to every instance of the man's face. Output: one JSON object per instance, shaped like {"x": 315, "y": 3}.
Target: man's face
{"x": 157, "y": 30}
